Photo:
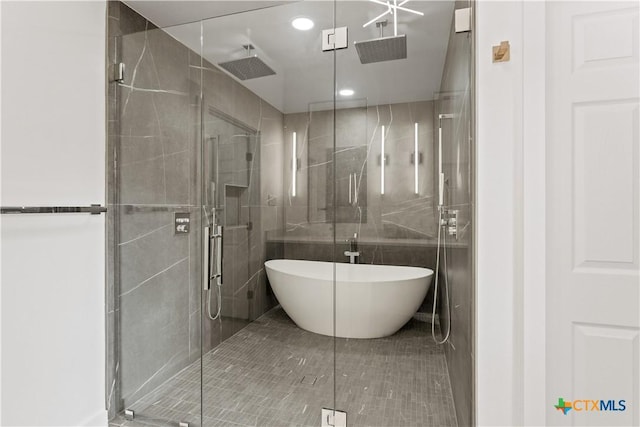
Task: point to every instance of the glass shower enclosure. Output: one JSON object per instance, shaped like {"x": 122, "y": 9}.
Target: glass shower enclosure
{"x": 234, "y": 141}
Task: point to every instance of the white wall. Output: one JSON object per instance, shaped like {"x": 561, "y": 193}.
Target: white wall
{"x": 510, "y": 335}
{"x": 52, "y": 266}
{"x": 499, "y": 138}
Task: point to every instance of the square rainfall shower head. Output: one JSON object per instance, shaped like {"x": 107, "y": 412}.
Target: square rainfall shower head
{"x": 382, "y": 49}
{"x": 250, "y": 67}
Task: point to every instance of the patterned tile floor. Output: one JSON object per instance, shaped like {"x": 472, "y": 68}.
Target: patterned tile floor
{"x": 273, "y": 373}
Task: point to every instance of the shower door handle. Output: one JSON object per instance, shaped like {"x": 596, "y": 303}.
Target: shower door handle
{"x": 218, "y": 238}
{"x": 217, "y": 248}
{"x": 206, "y": 243}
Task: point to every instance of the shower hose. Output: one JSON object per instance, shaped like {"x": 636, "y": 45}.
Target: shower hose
{"x": 441, "y": 224}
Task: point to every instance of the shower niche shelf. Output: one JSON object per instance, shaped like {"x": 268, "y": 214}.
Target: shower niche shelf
{"x": 236, "y": 203}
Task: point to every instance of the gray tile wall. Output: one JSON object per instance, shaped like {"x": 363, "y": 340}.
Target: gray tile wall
{"x": 154, "y": 299}
{"x": 399, "y": 212}
{"x": 456, "y": 88}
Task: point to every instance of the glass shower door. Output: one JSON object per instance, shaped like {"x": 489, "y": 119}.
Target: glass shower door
{"x": 403, "y": 374}
{"x": 154, "y": 224}
{"x": 211, "y": 159}
{"x": 259, "y": 367}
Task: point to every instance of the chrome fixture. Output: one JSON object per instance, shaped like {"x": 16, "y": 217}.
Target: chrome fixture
{"x": 118, "y": 72}
{"x": 463, "y": 20}
{"x": 181, "y": 222}
{"x": 353, "y": 256}
{"x": 93, "y": 209}
{"x": 385, "y": 48}
{"x": 335, "y": 38}
{"x": 440, "y": 173}
{"x": 250, "y": 67}
{"x": 211, "y": 258}
{"x": 382, "y": 48}
{"x": 353, "y": 252}
{"x": 333, "y": 418}
{"x": 449, "y": 220}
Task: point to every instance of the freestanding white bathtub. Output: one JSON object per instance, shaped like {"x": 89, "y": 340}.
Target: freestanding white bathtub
{"x": 371, "y": 301}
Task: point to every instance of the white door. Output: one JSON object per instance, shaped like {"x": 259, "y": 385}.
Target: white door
{"x": 593, "y": 159}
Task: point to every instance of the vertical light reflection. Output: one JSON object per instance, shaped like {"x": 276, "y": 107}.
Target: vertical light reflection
{"x": 382, "y": 162}
{"x": 415, "y": 159}
{"x": 294, "y": 164}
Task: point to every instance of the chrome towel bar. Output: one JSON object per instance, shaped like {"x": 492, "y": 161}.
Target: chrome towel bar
{"x": 93, "y": 209}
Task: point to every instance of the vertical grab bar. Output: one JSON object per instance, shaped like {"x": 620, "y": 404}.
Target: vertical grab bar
{"x": 219, "y": 254}
{"x": 206, "y": 285}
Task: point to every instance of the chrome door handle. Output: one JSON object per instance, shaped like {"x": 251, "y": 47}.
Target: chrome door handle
{"x": 350, "y": 177}
{"x": 218, "y": 237}
{"x": 208, "y": 274}
{"x": 206, "y": 241}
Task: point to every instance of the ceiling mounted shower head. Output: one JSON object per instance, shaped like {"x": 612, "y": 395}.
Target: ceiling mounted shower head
{"x": 247, "y": 68}
{"x": 382, "y": 49}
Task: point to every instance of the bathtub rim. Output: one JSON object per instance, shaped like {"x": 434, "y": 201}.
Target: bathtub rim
{"x": 424, "y": 271}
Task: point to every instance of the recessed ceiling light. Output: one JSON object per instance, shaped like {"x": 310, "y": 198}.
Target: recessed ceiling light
{"x": 302, "y": 24}
{"x": 346, "y": 92}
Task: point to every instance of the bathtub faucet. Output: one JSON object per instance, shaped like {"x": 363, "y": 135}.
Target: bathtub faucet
{"x": 353, "y": 252}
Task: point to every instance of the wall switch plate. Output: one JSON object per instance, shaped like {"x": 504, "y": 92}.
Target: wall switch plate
{"x": 335, "y": 38}
{"x": 463, "y": 20}
{"x": 333, "y": 418}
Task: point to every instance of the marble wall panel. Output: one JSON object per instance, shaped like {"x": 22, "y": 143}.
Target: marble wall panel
{"x": 400, "y": 211}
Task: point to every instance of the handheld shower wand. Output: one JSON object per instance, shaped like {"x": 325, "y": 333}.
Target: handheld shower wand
{"x": 442, "y": 222}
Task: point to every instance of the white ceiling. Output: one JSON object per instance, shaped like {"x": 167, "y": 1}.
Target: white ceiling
{"x": 304, "y": 74}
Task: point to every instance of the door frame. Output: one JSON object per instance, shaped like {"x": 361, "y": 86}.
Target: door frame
{"x": 510, "y": 300}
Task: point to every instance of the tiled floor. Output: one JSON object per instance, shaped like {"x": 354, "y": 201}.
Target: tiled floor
{"x": 273, "y": 373}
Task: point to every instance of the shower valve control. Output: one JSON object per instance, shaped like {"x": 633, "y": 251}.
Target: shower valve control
{"x": 181, "y": 221}
{"x": 449, "y": 220}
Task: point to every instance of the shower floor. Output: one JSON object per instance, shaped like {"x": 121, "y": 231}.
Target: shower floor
{"x": 272, "y": 373}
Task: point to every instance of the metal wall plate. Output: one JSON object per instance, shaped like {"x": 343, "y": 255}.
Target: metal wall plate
{"x": 333, "y": 418}
{"x": 118, "y": 72}
{"x": 463, "y": 20}
{"x": 335, "y": 38}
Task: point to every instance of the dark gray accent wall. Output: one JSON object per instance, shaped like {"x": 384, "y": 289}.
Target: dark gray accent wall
{"x": 400, "y": 212}
{"x": 155, "y": 323}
